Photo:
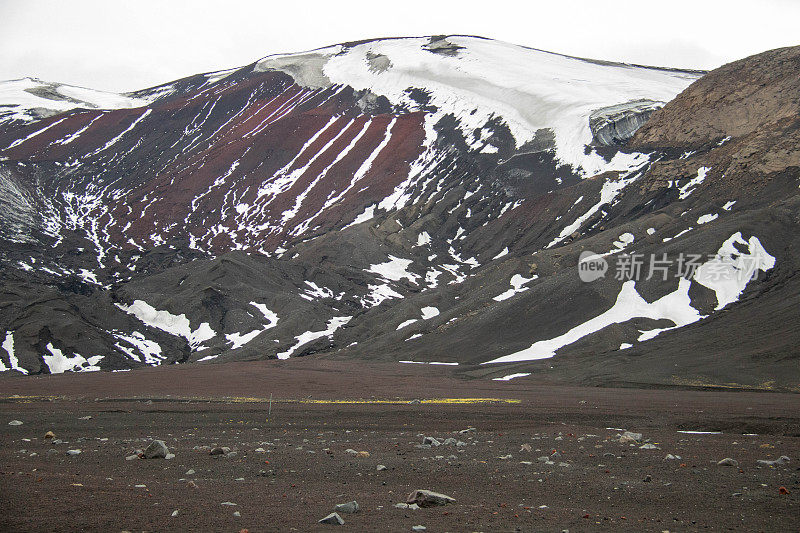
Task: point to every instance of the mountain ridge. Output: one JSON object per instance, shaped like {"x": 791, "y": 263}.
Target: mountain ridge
{"x": 360, "y": 220}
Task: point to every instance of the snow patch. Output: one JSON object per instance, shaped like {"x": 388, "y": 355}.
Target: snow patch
{"x": 177, "y": 325}
{"x": 517, "y": 282}
{"x": 304, "y": 338}
{"x": 394, "y": 270}
{"x": 13, "y": 362}
{"x": 687, "y": 189}
{"x": 512, "y": 376}
{"x": 59, "y": 363}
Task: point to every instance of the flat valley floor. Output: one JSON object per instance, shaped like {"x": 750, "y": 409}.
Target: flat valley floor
{"x": 540, "y": 457}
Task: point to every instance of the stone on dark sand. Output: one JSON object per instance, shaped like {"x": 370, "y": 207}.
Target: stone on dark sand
{"x": 630, "y": 437}
{"x": 728, "y": 462}
{"x": 782, "y": 460}
{"x": 348, "y": 508}
{"x": 219, "y": 450}
{"x": 333, "y": 519}
{"x": 427, "y": 498}
{"x": 156, "y": 450}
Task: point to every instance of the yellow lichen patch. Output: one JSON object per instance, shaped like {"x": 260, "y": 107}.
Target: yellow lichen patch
{"x": 402, "y": 402}
{"x": 252, "y": 399}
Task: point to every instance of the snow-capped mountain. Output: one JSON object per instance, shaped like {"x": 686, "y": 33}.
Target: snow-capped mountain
{"x": 419, "y": 199}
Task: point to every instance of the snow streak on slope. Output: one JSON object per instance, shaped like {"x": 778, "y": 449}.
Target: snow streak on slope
{"x": 304, "y": 338}
{"x": 481, "y": 79}
{"x": 177, "y": 325}
{"x": 727, "y": 274}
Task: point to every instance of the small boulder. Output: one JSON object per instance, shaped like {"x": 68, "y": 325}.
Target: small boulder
{"x": 49, "y": 435}
{"x": 73, "y": 452}
{"x": 381, "y": 468}
{"x": 333, "y": 519}
{"x": 418, "y": 528}
{"x": 15, "y": 423}
{"x": 728, "y": 462}
{"x": 427, "y": 498}
{"x": 411, "y": 507}
{"x": 782, "y": 460}
{"x": 630, "y": 437}
{"x": 219, "y": 450}
{"x": 432, "y": 441}
{"x": 348, "y": 508}
{"x": 156, "y": 450}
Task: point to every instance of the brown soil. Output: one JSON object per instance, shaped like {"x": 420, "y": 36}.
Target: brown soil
{"x": 305, "y": 469}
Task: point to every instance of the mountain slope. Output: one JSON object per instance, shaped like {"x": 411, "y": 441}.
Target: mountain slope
{"x": 416, "y": 199}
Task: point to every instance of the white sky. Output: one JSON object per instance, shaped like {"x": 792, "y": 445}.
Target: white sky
{"x": 125, "y": 45}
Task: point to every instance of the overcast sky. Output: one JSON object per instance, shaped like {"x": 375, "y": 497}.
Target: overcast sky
{"x": 125, "y": 45}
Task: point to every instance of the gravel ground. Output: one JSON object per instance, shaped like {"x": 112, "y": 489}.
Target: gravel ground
{"x": 287, "y": 468}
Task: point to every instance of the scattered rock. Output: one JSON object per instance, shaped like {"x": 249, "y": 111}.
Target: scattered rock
{"x": 671, "y": 457}
{"x": 630, "y": 437}
{"x": 649, "y": 446}
{"x": 648, "y": 478}
{"x": 362, "y": 454}
{"x": 169, "y": 456}
{"x": 432, "y": 441}
{"x": 348, "y": 508}
{"x": 229, "y": 504}
{"x": 49, "y": 435}
{"x": 418, "y": 528}
{"x": 174, "y": 513}
{"x": 783, "y": 491}
{"x": 415, "y": 402}
{"x": 189, "y": 472}
{"x": 333, "y": 519}
{"x": 131, "y": 457}
{"x": 381, "y": 468}
{"x": 73, "y": 452}
{"x": 412, "y": 506}
{"x": 237, "y": 514}
{"x": 219, "y": 450}
{"x": 728, "y": 462}
{"x": 525, "y": 447}
{"x": 15, "y": 423}
{"x": 782, "y": 460}
{"x": 156, "y": 450}
{"x": 87, "y": 417}
{"x": 427, "y": 498}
